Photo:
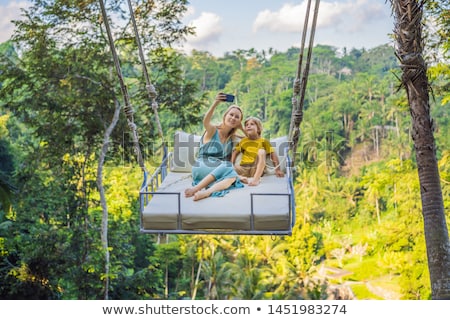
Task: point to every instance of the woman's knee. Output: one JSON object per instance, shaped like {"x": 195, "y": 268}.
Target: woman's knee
{"x": 229, "y": 181}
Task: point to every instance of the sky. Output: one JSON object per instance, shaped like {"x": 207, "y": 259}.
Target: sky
{"x": 227, "y": 25}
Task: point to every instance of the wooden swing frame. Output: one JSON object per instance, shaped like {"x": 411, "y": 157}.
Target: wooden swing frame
{"x": 150, "y": 187}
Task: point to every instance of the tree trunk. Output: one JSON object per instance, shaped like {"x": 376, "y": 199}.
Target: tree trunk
{"x": 197, "y": 279}
{"x": 409, "y": 50}
{"x": 101, "y": 161}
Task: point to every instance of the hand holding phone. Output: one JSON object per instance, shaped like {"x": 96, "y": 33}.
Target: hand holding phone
{"x": 229, "y": 98}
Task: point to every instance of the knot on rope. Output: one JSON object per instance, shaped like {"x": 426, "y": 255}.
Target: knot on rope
{"x": 132, "y": 126}
{"x": 151, "y": 90}
{"x": 155, "y": 105}
{"x": 128, "y": 110}
{"x": 297, "y": 83}
{"x": 298, "y": 114}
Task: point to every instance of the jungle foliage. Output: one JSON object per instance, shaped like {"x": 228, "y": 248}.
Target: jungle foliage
{"x": 359, "y": 231}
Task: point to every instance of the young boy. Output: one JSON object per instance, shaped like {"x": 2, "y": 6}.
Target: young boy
{"x": 254, "y": 149}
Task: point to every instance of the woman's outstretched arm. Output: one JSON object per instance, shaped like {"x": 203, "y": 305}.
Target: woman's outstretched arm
{"x": 209, "y": 127}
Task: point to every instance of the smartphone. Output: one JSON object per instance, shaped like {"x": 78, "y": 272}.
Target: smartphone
{"x": 229, "y": 98}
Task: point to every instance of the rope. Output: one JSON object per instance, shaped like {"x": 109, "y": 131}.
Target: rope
{"x": 128, "y": 109}
{"x": 299, "y": 86}
{"x": 149, "y": 86}
{"x": 268, "y": 166}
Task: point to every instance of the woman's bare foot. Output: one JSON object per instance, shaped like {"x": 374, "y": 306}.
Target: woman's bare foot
{"x": 254, "y": 182}
{"x": 199, "y": 195}
{"x": 189, "y": 192}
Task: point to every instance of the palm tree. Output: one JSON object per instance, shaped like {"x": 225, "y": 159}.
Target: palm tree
{"x": 6, "y": 167}
{"x": 5, "y": 192}
{"x": 409, "y": 50}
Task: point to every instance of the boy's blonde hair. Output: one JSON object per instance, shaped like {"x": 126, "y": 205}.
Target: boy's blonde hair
{"x": 257, "y": 122}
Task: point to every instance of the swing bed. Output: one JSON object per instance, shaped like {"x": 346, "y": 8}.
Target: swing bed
{"x": 266, "y": 209}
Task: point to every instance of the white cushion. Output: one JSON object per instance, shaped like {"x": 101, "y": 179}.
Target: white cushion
{"x": 281, "y": 146}
{"x": 185, "y": 151}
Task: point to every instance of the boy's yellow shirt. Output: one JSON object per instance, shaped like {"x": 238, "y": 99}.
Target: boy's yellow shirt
{"x": 249, "y": 149}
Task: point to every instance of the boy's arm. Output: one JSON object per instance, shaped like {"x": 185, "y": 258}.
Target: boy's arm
{"x": 234, "y": 155}
{"x": 236, "y": 150}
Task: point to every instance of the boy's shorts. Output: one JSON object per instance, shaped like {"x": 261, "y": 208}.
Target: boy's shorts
{"x": 246, "y": 170}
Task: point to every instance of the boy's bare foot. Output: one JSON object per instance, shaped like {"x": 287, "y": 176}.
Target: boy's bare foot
{"x": 254, "y": 182}
{"x": 199, "y": 195}
{"x": 243, "y": 179}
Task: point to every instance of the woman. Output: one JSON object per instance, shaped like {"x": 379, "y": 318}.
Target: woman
{"x": 213, "y": 173}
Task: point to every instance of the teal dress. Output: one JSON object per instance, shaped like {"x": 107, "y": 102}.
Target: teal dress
{"x": 214, "y": 158}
